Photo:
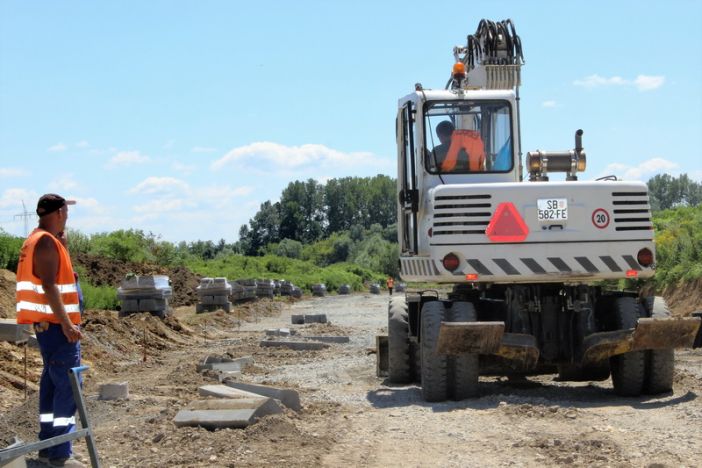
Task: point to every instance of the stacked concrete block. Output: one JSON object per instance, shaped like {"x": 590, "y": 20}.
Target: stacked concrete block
{"x": 286, "y": 288}
{"x": 213, "y": 294}
{"x": 345, "y": 289}
{"x": 375, "y": 288}
{"x": 12, "y": 332}
{"x": 276, "y": 287}
{"x": 146, "y": 293}
{"x": 296, "y": 292}
{"x": 319, "y": 290}
{"x": 400, "y": 287}
{"x": 246, "y": 290}
{"x": 264, "y": 288}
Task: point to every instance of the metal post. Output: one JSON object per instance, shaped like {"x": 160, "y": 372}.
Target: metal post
{"x": 83, "y": 413}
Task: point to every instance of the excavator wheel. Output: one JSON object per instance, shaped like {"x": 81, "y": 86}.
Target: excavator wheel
{"x": 399, "y": 355}
{"x": 660, "y": 363}
{"x": 434, "y": 365}
{"x": 464, "y": 369}
{"x": 628, "y": 369}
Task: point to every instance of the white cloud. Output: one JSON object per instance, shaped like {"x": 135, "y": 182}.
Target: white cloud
{"x": 203, "y": 149}
{"x": 648, "y": 83}
{"x": 63, "y": 183}
{"x": 58, "y": 147}
{"x": 644, "y": 170}
{"x": 8, "y": 172}
{"x": 169, "y": 144}
{"x": 185, "y": 169}
{"x": 12, "y": 198}
{"x": 271, "y": 158}
{"x": 160, "y": 186}
{"x": 126, "y": 159}
{"x": 641, "y": 82}
{"x": 161, "y": 205}
{"x": 82, "y": 144}
{"x": 549, "y": 104}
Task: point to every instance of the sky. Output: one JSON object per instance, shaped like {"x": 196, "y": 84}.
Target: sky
{"x": 181, "y": 117}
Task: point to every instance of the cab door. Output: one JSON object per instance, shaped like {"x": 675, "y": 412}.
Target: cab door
{"x": 408, "y": 193}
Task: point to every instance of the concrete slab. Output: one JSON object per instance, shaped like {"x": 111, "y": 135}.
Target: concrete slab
{"x": 225, "y": 391}
{"x": 11, "y": 331}
{"x": 286, "y": 396}
{"x": 328, "y": 339}
{"x": 114, "y": 391}
{"x": 295, "y": 345}
{"x": 234, "y": 413}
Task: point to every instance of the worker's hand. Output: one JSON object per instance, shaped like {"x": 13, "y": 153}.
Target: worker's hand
{"x": 71, "y": 332}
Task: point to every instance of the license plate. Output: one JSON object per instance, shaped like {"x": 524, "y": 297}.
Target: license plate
{"x": 552, "y": 209}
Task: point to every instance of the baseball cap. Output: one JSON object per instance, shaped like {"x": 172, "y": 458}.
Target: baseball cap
{"x": 50, "y": 202}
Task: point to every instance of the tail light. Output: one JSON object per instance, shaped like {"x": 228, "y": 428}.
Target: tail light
{"x": 451, "y": 262}
{"x": 645, "y": 257}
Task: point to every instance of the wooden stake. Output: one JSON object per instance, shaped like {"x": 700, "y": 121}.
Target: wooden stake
{"x": 26, "y": 345}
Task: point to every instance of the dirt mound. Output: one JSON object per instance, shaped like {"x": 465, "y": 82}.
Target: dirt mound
{"x": 108, "y": 272}
{"x": 7, "y": 294}
{"x": 684, "y": 298}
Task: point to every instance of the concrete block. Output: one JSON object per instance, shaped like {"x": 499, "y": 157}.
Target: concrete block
{"x": 11, "y": 331}
{"x": 225, "y": 364}
{"x": 297, "y": 319}
{"x": 234, "y": 413}
{"x": 295, "y": 345}
{"x": 328, "y": 339}
{"x": 286, "y": 396}
{"x": 278, "y": 332}
{"x": 316, "y": 318}
{"x": 114, "y": 391}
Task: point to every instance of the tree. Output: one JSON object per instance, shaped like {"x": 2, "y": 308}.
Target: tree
{"x": 667, "y": 192}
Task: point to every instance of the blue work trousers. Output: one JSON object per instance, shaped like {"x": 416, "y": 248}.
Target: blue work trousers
{"x": 57, "y": 407}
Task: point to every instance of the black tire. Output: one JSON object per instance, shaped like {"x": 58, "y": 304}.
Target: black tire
{"x": 628, "y": 369}
{"x": 399, "y": 367}
{"x": 464, "y": 369}
{"x": 660, "y": 363}
{"x": 434, "y": 365}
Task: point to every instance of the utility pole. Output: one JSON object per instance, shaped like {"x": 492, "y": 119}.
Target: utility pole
{"x": 26, "y": 215}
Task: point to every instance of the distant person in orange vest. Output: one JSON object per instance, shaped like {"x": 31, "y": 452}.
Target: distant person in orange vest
{"x": 390, "y": 283}
{"x": 48, "y": 299}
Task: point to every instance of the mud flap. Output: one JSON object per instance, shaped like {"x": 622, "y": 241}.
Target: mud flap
{"x": 650, "y": 333}
{"x": 488, "y": 338}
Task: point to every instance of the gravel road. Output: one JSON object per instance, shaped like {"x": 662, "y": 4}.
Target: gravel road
{"x": 535, "y": 422}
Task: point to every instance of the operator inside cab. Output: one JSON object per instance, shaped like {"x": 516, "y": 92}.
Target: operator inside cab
{"x": 468, "y": 137}
{"x": 458, "y": 150}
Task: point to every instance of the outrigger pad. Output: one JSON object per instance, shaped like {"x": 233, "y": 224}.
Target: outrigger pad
{"x": 470, "y": 337}
{"x": 650, "y": 333}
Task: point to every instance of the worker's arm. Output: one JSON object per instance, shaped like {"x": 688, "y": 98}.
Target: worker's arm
{"x": 46, "y": 265}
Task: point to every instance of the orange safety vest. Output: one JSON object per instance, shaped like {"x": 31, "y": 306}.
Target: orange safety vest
{"x": 32, "y": 303}
{"x": 390, "y": 282}
{"x": 469, "y": 141}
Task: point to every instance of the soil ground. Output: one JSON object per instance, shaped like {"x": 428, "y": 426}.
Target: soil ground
{"x": 350, "y": 417}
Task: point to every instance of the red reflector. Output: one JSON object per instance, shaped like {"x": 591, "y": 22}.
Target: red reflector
{"x": 632, "y": 273}
{"x": 507, "y": 225}
{"x": 471, "y": 277}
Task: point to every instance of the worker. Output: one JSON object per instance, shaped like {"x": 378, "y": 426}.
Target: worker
{"x": 47, "y": 298}
{"x": 390, "y": 283}
{"x": 469, "y": 145}
{"x": 443, "y": 131}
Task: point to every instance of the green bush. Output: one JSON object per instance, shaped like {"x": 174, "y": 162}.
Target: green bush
{"x": 99, "y": 297}
{"x": 678, "y": 245}
{"x": 9, "y": 250}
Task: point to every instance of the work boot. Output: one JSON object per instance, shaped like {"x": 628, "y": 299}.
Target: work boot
{"x": 43, "y": 456}
{"x": 67, "y": 462}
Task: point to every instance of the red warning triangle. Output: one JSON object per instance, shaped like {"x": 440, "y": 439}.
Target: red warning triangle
{"x": 507, "y": 225}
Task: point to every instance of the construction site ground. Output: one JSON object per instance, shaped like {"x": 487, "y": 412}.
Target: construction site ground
{"x": 350, "y": 417}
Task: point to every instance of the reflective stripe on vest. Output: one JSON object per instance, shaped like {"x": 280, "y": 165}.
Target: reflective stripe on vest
{"x": 32, "y": 302}
{"x": 470, "y": 142}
